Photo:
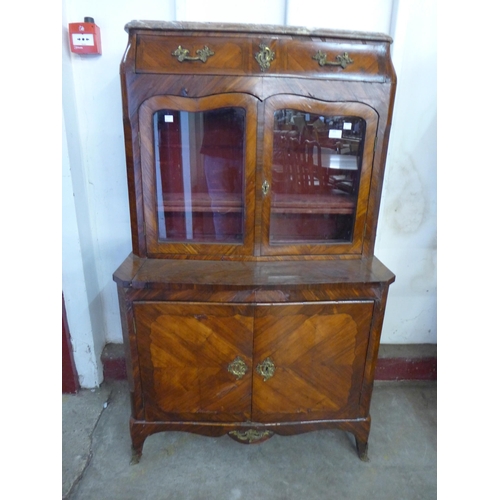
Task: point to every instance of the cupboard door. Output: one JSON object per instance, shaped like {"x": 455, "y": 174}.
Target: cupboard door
{"x": 317, "y": 168}
{"x": 195, "y": 360}
{"x": 309, "y": 360}
{"x": 198, "y": 169}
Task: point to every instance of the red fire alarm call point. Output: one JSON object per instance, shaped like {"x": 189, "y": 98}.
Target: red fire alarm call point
{"x": 85, "y": 38}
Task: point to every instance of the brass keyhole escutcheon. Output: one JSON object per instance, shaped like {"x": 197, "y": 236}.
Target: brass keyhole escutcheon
{"x": 266, "y": 369}
{"x": 238, "y": 368}
{"x": 265, "y": 188}
{"x": 264, "y": 57}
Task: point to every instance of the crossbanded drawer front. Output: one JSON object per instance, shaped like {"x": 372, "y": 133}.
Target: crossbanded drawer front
{"x": 157, "y": 54}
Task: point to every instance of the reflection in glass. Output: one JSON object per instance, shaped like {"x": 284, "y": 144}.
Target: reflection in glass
{"x": 199, "y": 175}
{"x": 315, "y": 177}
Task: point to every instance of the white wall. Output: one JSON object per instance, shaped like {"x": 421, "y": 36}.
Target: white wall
{"x": 96, "y": 232}
{"x": 96, "y": 229}
{"x": 407, "y": 238}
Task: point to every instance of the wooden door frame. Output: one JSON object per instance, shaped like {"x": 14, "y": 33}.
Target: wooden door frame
{"x": 70, "y": 383}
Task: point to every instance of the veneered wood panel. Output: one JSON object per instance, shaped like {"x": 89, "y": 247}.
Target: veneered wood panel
{"x": 319, "y": 353}
{"x": 184, "y": 354}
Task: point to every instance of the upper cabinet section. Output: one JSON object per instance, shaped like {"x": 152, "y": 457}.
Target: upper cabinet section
{"x": 255, "y": 142}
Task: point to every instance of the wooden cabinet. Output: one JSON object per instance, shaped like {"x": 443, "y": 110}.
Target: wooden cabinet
{"x": 266, "y": 363}
{"x": 252, "y": 303}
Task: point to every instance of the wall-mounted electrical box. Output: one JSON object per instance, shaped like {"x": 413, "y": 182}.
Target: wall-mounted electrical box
{"x": 85, "y": 38}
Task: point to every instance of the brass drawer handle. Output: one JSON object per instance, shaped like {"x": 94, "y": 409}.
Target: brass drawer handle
{"x": 342, "y": 60}
{"x": 182, "y": 54}
{"x": 266, "y": 369}
{"x": 238, "y": 368}
{"x": 264, "y": 57}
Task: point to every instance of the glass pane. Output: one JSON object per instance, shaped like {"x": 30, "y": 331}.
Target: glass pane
{"x": 199, "y": 175}
{"x": 315, "y": 177}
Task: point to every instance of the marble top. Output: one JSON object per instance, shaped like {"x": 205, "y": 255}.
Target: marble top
{"x": 255, "y": 29}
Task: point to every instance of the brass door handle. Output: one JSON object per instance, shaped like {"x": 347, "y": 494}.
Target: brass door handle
{"x": 266, "y": 369}
{"x": 341, "y": 60}
{"x": 237, "y": 367}
{"x": 182, "y": 54}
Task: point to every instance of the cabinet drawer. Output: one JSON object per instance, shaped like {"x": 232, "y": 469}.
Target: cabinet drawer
{"x": 157, "y": 54}
{"x": 339, "y": 59}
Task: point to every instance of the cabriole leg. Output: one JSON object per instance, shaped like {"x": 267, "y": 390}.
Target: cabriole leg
{"x": 138, "y": 437}
{"x": 362, "y": 448}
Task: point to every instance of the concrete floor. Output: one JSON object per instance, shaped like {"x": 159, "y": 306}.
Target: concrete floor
{"x": 317, "y": 465}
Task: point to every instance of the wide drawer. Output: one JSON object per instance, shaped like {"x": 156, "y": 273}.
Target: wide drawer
{"x": 209, "y": 55}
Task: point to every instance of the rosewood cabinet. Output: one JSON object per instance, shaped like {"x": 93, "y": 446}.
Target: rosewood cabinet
{"x": 252, "y": 303}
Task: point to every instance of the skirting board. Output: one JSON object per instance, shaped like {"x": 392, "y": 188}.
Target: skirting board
{"x": 407, "y": 362}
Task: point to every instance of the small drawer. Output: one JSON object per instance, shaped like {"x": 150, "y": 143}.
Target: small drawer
{"x": 189, "y": 54}
{"x": 333, "y": 60}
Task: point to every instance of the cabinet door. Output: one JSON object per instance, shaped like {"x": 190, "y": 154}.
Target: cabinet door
{"x": 198, "y": 169}
{"x": 309, "y": 360}
{"x": 195, "y": 360}
{"x": 317, "y": 168}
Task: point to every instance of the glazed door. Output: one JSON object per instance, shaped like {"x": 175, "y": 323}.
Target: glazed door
{"x": 309, "y": 360}
{"x": 316, "y": 175}
{"x": 195, "y": 360}
{"x": 198, "y": 168}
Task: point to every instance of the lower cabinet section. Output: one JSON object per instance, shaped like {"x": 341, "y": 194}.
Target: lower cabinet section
{"x": 260, "y": 363}
{"x": 251, "y": 349}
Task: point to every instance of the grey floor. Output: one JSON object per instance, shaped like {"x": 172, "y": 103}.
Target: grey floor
{"x": 317, "y": 465}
